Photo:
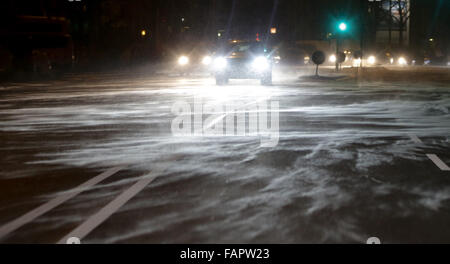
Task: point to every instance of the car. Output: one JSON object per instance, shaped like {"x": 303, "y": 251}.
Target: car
{"x": 189, "y": 60}
{"x": 243, "y": 60}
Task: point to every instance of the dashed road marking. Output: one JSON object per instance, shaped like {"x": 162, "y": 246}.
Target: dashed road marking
{"x": 438, "y": 162}
{"x": 433, "y": 157}
{"x": 95, "y": 220}
{"x": 416, "y": 139}
{"x": 33, "y": 214}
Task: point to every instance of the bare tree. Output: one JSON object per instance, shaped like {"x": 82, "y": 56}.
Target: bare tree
{"x": 399, "y": 14}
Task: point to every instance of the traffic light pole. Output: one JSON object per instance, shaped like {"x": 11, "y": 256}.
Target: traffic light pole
{"x": 337, "y": 52}
{"x": 362, "y": 25}
{"x": 342, "y": 27}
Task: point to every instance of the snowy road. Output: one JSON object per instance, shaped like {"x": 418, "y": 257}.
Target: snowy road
{"x": 353, "y": 161}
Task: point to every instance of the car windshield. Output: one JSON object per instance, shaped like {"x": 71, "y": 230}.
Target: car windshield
{"x": 247, "y": 47}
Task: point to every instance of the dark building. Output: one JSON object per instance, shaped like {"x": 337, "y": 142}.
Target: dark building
{"x": 417, "y": 26}
{"x": 430, "y": 28}
{"x": 132, "y": 30}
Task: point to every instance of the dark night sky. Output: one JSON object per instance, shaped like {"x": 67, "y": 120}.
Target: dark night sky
{"x": 115, "y": 24}
{"x": 252, "y": 15}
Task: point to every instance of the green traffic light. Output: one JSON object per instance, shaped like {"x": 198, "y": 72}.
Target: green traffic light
{"x": 343, "y": 26}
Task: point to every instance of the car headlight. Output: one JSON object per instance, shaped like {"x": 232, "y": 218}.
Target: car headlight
{"x": 183, "y": 60}
{"x": 206, "y": 60}
{"x": 371, "y": 60}
{"x": 356, "y": 62}
{"x": 260, "y": 63}
{"x": 332, "y": 58}
{"x": 220, "y": 63}
{"x": 402, "y": 61}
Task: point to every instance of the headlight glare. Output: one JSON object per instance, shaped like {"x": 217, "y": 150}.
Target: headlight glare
{"x": 332, "y": 58}
{"x": 260, "y": 63}
{"x": 183, "y": 60}
{"x": 357, "y": 62}
{"x": 220, "y": 63}
{"x": 206, "y": 60}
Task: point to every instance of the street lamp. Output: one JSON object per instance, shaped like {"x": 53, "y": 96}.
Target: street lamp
{"x": 342, "y": 26}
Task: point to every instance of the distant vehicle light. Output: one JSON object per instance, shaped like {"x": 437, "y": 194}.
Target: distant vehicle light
{"x": 402, "y": 61}
{"x": 371, "y": 60}
{"x": 277, "y": 59}
{"x": 306, "y": 59}
{"x": 220, "y": 63}
{"x": 183, "y": 60}
{"x": 206, "y": 60}
{"x": 260, "y": 63}
{"x": 332, "y": 58}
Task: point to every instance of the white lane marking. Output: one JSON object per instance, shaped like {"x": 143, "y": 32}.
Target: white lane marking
{"x": 73, "y": 240}
{"x": 438, "y": 162}
{"x": 33, "y": 214}
{"x": 95, "y": 220}
{"x": 416, "y": 139}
